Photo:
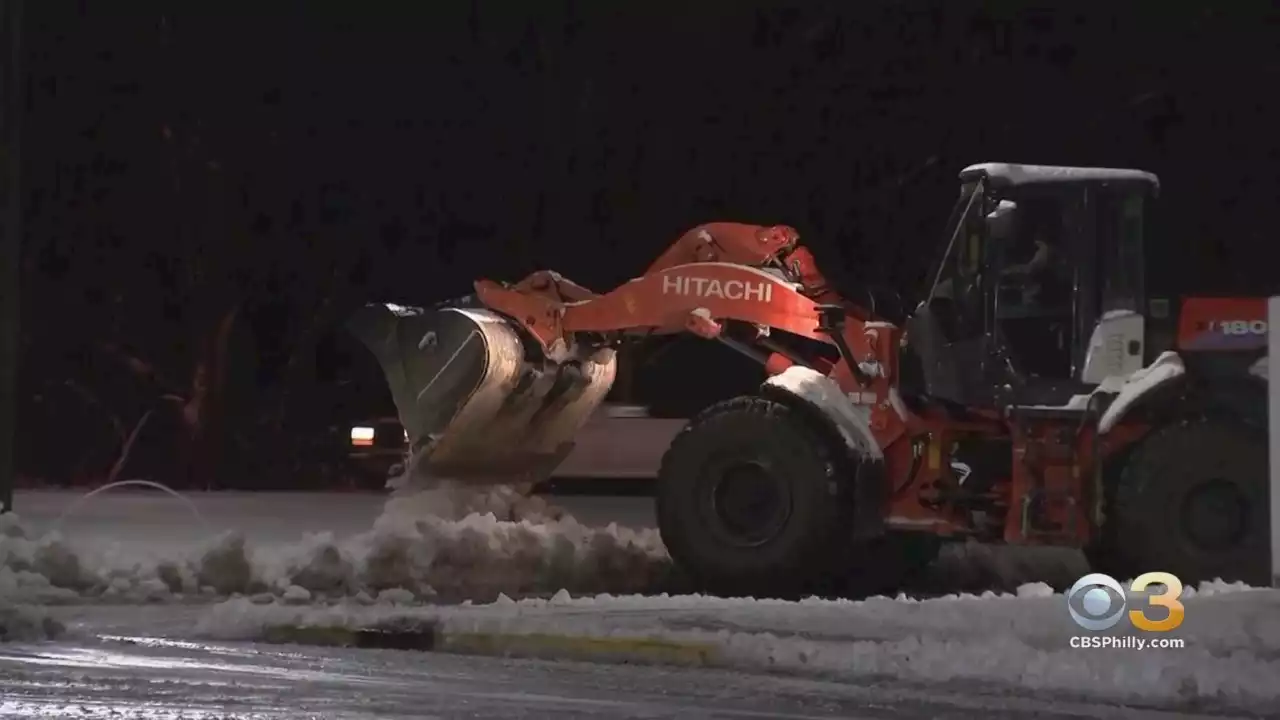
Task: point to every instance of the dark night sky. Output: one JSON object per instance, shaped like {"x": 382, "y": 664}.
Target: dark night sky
{"x": 181, "y": 161}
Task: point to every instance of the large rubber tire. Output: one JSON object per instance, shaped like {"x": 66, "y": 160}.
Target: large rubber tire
{"x": 1178, "y": 492}
{"x": 807, "y": 475}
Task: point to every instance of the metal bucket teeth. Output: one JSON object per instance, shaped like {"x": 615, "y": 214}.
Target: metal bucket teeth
{"x": 476, "y": 409}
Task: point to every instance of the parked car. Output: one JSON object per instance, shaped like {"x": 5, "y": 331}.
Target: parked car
{"x": 376, "y": 449}
{"x": 619, "y": 443}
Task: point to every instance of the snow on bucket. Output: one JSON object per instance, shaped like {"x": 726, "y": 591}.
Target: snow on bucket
{"x": 480, "y": 405}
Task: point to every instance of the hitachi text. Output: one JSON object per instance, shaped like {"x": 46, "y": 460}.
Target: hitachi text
{"x": 713, "y": 288}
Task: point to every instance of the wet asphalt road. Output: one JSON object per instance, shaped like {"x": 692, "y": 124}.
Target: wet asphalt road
{"x": 155, "y": 680}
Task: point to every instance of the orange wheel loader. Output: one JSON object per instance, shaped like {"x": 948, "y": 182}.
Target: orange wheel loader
{"x": 1036, "y": 394}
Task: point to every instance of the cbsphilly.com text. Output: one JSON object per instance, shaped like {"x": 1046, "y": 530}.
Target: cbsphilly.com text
{"x": 1127, "y": 642}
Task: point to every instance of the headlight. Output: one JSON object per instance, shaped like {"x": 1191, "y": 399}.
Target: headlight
{"x": 362, "y": 436}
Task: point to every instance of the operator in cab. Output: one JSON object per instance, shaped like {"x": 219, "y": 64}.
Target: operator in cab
{"x": 1035, "y": 291}
{"x": 1032, "y": 261}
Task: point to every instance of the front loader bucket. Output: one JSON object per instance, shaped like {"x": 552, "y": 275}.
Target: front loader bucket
{"x": 477, "y": 405}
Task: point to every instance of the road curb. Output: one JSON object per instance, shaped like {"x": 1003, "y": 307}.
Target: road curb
{"x": 423, "y": 638}
{"x": 581, "y": 647}
{"x": 544, "y": 645}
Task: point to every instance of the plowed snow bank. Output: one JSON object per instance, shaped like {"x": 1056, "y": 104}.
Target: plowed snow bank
{"x": 23, "y": 623}
{"x": 144, "y": 547}
{"x": 443, "y": 543}
{"x": 1231, "y": 657}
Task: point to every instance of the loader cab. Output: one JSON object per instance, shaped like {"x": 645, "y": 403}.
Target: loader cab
{"x": 1037, "y": 295}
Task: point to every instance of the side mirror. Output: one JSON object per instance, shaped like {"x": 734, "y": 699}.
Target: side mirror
{"x": 1000, "y": 221}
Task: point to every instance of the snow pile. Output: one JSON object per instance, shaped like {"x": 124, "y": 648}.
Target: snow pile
{"x": 1020, "y": 641}
{"x": 445, "y": 543}
{"x": 477, "y": 556}
{"x": 450, "y": 501}
{"x": 23, "y": 623}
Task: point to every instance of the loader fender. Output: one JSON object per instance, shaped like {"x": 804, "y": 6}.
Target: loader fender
{"x": 823, "y": 396}
{"x": 1259, "y": 368}
{"x": 1164, "y": 372}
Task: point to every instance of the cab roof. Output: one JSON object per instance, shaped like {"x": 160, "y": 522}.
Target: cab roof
{"x": 1009, "y": 175}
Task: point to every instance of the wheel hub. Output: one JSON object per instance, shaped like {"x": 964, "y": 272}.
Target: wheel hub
{"x": 1215, "y": 514}
{"x": 749, "y": 505}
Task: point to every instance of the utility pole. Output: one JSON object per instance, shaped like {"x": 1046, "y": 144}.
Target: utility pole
{"x": 12, "y": 104}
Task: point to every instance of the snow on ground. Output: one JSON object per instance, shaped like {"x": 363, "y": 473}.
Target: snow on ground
{"x": 131, "y": 547}
{"x": 272, "y": 557}
{"x": 437, "y": 544}
{"x": 1019, "y": 641}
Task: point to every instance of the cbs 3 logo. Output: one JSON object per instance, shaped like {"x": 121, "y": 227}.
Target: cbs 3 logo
{"x": 1097, "y": 602}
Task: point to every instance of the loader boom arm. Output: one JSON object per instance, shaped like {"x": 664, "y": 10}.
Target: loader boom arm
{"x": 741, "y": 244}
{"x": 717, "y": 271}
{"x": 496, "y": 394}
